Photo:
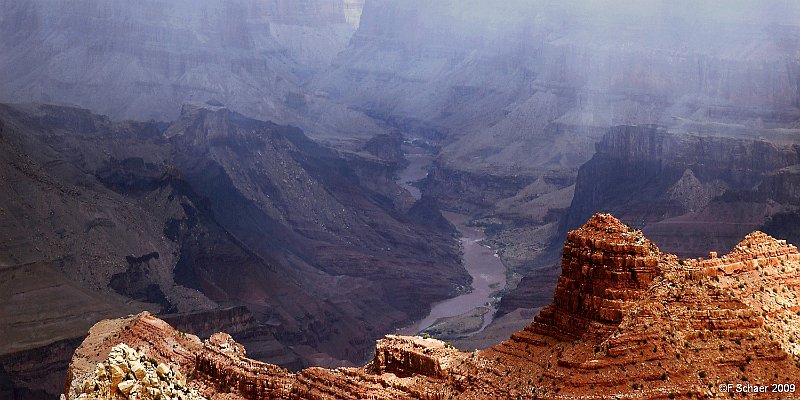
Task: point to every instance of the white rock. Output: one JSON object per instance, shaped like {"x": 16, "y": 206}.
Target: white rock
{"x": 126, "y": 387}
{"x": 162, "y": 370}
{"x": 138, "y": 370}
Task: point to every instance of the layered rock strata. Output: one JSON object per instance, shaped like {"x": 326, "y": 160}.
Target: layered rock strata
{"x": 689, "y": 191}
{"x": 755, "y": 250}
{"x": 522, "y": 85}
{"x": 143, "y": 60}
{"x": 627, "y": 321}
{"x": 606, "y": 267}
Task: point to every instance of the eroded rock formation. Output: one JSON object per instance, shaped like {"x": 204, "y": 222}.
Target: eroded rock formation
{"x": 627, "y": 321}
{"x": 606, "y": 267}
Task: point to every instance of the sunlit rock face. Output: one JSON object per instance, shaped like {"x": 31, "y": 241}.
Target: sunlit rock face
{"x": 144, "y": 59}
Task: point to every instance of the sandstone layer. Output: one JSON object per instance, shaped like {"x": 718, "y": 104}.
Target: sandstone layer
{"x": 627, "y": 321}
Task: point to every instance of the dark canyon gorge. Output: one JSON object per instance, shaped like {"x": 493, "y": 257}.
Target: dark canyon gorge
{"x": 311, "y": 176}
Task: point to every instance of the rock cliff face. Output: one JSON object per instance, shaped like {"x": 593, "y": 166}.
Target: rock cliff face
{"x": 311, "y": 32}
{"x": 627, "y": 321}
{"x": 688, "y": 191}
{"x": 215, "y": 221}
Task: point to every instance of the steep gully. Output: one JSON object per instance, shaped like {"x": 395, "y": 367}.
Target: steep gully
{"x": 481, "y": 262}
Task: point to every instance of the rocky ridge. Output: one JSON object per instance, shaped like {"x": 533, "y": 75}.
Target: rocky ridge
{"x": 627, "y": 321}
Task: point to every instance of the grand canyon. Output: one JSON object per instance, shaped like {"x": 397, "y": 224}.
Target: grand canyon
{"x": 343, "y": 199}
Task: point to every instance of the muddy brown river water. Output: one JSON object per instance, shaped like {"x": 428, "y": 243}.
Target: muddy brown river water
{"x": 481, "y": 262}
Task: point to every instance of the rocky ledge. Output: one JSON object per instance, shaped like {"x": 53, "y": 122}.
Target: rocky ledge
{"x": 627, "y": 321}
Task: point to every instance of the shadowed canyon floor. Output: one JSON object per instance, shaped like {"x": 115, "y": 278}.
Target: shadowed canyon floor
{"x": 626, "y": 321}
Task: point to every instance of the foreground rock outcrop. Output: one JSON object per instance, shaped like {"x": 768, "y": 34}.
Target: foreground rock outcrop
{"x": 627, "y": 321}
{"x": 128, "y": 373}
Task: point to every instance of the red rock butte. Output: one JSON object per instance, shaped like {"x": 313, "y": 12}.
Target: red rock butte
{"x": 627, "y": 321}
{"x": 606, "y": 266}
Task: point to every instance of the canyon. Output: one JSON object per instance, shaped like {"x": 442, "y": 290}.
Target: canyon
{"x": 533, "y": 89}
{"x": 468, "y": 313}
{"x": 311, "y": 175}
{"x": 626, "y": 320}
{"x": 516, "y": 106}
{"x": 215, "y": 221}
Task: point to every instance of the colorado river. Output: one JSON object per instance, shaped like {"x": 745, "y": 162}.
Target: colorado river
{"x": 417, "y": 169}
{"x": 487, "y": 271}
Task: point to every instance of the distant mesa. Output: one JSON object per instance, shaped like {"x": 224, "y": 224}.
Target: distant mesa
{"x": 626, "y": 319}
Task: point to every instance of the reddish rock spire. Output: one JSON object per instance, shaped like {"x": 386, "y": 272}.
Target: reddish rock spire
{"x": 606, "y": 266}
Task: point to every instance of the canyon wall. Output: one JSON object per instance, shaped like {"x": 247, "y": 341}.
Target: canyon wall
{"x": 689, "y": 191}
{"x": 519, "y": 86}
{"x": 145, "y": 59}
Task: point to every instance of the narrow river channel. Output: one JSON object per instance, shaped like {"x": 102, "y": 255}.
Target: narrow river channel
{"x": 480, "y": 261}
